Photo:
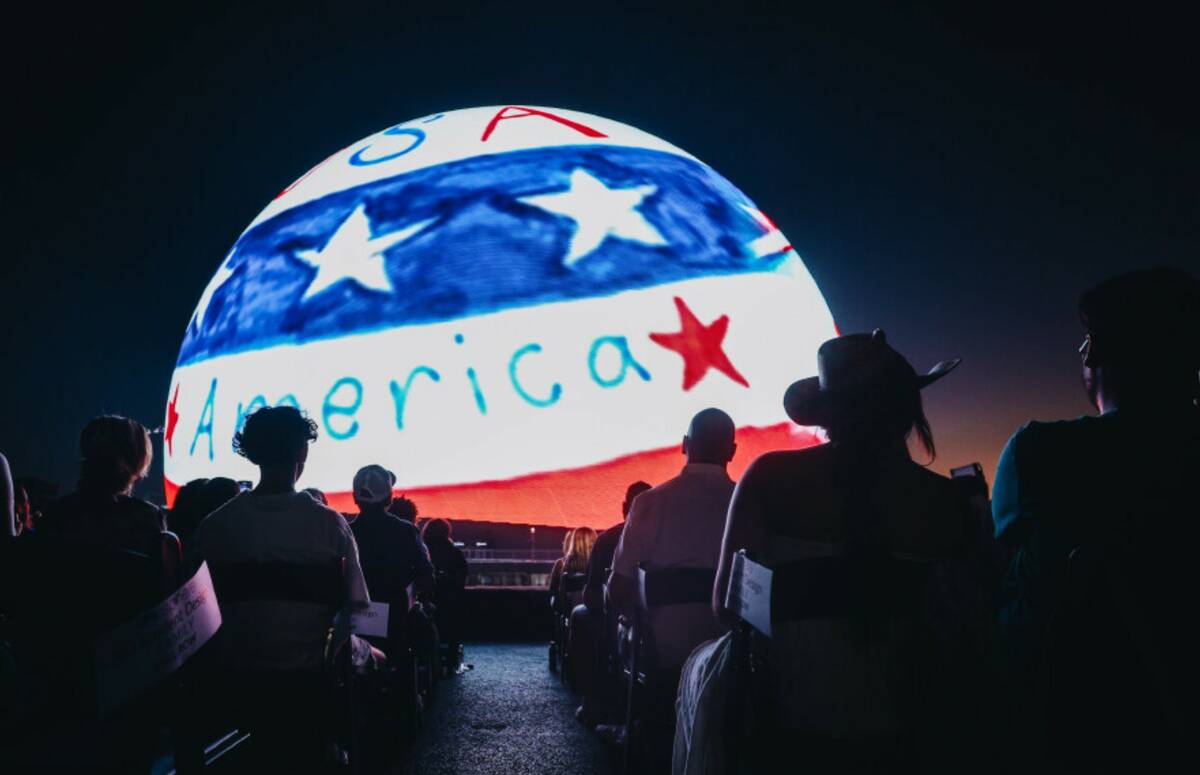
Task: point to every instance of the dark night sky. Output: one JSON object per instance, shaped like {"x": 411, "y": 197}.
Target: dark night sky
{"x": 956, "y": 179}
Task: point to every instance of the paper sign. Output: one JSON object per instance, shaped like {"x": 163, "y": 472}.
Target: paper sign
{"x": 371, "y": 621}
{"x": 750, "y": 593}
{"x": 142, "y": 652}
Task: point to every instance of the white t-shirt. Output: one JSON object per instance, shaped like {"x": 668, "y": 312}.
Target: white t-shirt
{"x": 678, "y": 524}
{"x": 285, "y": 527}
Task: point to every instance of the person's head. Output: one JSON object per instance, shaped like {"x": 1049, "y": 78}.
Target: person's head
{"x": 317, "y": 495}
{"x": 276, "y": 439}
{"x": 115, "y": 453}
{"x": 373, "y": 488}
{"x": 437, "y": 531}
{"x": 631, "y": 492}
{"x": 217, "y": 492}
{"x": 1143, "y": 339}
{"x": 580, "y": 550}
{"x": 709, "y": 438}
{"x": 566, "y": 547}
{"x": 866, "y": 396}
{"x": 403, "y": 508}
{"x": 188, "y": 510}
{"x": 189, "y": 497}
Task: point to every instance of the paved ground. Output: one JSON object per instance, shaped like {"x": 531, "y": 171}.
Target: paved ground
{"x": 509, "y": 716}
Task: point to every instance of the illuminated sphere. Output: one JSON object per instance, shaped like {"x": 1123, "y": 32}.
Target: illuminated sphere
{"x": 515, "y": 309}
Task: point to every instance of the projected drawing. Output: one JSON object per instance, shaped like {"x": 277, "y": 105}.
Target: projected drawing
{"x": 515, "y": 309}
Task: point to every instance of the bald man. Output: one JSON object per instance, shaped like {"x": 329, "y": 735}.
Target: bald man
{"x": 679, "y": 524}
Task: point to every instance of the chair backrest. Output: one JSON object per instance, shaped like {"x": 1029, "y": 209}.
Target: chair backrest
{"x": 748, "y": 595}
{"x": 816, "y": 588}
{"x": 573, "y": 582}
{"x": 320, "y": 583}
{"x": 674, "y": 586}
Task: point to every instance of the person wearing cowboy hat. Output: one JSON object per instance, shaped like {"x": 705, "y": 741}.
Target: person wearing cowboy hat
{"x": 1095, "y": 513}
{"x": 857, "y": 504}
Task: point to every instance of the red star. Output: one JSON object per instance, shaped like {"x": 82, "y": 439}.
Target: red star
{"x": 700, "y": 347}
{"x": 172, "y": 421}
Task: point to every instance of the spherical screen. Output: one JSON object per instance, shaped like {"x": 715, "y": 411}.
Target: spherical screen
{"x": 515, "y": 309}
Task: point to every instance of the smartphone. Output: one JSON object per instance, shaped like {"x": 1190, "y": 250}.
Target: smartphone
{"x": 970, "y": 479}
{"x": 973, "y": 469}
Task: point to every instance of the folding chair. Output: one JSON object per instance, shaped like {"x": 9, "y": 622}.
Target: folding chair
{"x": 651, "y": 687}
{"x": 290, "y": 715}
{"x": 568, "y": 595}
{"x": 763, "y": 598}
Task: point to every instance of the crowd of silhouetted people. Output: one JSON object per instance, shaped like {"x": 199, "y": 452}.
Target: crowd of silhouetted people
{"x": 841, "y": 608}
{"x": 911, "y": 624}
{"x": 284, "y": 566}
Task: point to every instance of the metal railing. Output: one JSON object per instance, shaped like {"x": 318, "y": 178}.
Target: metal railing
{"x": 476, "y": 555}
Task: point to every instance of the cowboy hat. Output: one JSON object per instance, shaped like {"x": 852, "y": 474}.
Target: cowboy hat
{"x": 852, "y": 370}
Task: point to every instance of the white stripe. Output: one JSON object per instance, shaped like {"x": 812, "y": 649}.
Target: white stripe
{"x": 777, "y": 321}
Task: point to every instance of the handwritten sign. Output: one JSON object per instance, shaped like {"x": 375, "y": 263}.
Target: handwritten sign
{"x": 371, "y": 621}
{"x": 142, "y": 652}
{"x": 749, "y": 594}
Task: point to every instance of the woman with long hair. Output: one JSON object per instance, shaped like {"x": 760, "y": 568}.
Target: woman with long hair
{"x": 577, "y": 550}
{"x": 580, "y": 550}
{"x": 848, "y": 681}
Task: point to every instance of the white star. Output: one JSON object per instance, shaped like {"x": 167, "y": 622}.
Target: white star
{"x": 599, "y": 212}
{"x": 224, "y": 272}
{"x": 353, "y": 253}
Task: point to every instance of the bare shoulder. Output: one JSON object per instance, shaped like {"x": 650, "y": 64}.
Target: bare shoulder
{"x": 787, "y": 462}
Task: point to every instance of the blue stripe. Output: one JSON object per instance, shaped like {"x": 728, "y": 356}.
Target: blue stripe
{"x": 486, "y": 251}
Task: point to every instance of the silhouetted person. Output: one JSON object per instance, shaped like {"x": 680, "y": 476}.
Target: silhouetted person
{"x": 448, "y": 560}
{"x": 100, "y": 548}
{"x": 116, "y": 453}
{"x": 403, "y": 508}
{"x": 196, "y": 500}
{"x": 556, "y": 569}
{"x": 187, "y": 510}
{"x": 593, "y": 631}
{"x": 577, "y": 549}
{"x": 678, "y": 524}
{"x": 1098, "y": 513}
{"x": 393, "y": 555}
{"x": 845, "y": 682}
{"x": 275, "y": 524}
{"x": 600, "y": 562}
{"x": 450, "y": 574}
{"x": 218, "y": 491}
